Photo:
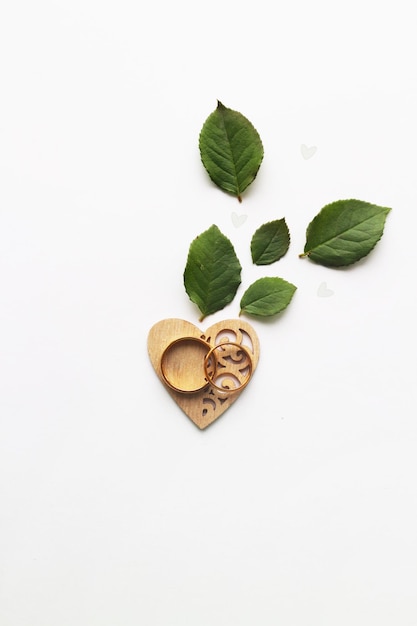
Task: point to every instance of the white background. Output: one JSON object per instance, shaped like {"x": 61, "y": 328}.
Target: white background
{"x": 298, "y": 506}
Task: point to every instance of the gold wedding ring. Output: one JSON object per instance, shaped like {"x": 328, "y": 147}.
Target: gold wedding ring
{"x": 182, "y": 364}
{"x": 228, "y": 367}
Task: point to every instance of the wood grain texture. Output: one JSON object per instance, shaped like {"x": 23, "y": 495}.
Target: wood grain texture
{"x": 205, "y": 406}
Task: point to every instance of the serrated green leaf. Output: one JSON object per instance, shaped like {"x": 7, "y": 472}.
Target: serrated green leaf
{"x": 212, "y": 272}
{"x": 267, "y": 296}
{"x": 344, "y": 232}
{"x": 270, "y": 242}
{"x": 231, "y": 150}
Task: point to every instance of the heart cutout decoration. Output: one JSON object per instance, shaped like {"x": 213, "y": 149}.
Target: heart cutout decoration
{"x": 185, "y": 341}
{"x": 238, "y": 220}
{"x": 308, "y": 151}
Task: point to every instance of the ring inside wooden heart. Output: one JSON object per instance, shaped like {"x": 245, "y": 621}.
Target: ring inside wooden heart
{"x": 203, "y": 406}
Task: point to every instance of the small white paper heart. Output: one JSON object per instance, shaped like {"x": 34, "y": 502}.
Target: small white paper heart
{"x": 323, "y": 291}
{"x": 308, "y": 151}
{"x": 238, "y": 220}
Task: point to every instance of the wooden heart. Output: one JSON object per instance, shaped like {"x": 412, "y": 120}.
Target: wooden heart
{"x": 205, "y": 405}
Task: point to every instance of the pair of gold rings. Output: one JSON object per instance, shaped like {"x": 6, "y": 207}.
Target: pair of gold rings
{"x": 191, "y": 364}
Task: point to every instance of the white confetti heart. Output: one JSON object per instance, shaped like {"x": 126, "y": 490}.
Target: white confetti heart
{"x": 238, "y": 220}
{"x": 308, "y": 151}
{"x": 323, "y": 291}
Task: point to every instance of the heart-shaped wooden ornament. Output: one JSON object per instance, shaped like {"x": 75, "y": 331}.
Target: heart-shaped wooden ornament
{"x": 178, "y": 348}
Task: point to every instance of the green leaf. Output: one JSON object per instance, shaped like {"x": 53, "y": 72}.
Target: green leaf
{"x": 344, "y": 232}
{"x": 212, "y": 272}
{"x": 270, "y": 242}
{"x": 231, "y": 150}
{"x": 267, "y": 296}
